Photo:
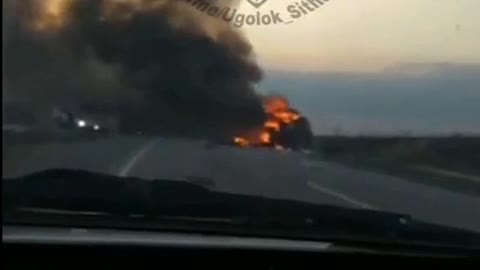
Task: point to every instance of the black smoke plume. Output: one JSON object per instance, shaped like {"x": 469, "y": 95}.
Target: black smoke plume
{"x": 165, "y": 68}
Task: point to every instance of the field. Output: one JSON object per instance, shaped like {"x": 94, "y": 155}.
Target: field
{"x": 447, "y": 162}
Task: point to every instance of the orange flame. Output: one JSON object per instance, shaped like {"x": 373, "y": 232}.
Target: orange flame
{"x": 54, "y": 15}
{"x": 279, "y": 115}
{"x": 241, "y": 141}
{"x": 265, "y": 137}
{"x": 51, "y": 14}
{"x": 272, "y": 124}
{"x": 280, "y": 109}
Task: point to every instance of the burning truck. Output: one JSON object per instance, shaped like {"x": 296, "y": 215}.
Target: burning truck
{"x": 284, "y": 128}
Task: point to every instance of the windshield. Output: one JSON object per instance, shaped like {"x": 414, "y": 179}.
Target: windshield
{"x": 369, "y": 105}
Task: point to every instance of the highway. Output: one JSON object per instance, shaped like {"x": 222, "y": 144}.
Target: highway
{"x": 264, "y": 172}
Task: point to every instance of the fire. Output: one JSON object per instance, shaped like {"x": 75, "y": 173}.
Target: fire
{"x": 279, "y": 115}
{"x": 241, "y": 141}
{"x": 51, "y": 14}
{"x": 265, "y": 137}
{"x": 279, "y": 108}
{"x": 272, "y": 124}
{"x": 287, "y": 117}
{"x": 54, "y": 15}
{"x": 275, "y": 104}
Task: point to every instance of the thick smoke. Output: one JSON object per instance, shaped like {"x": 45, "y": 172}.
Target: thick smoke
{"x": 154, "y": 65}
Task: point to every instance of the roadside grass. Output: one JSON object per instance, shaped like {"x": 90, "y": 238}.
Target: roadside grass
{"x": 451, "y": 163}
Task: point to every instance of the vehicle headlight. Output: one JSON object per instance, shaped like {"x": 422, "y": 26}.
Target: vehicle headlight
{"x": 81, "y": 123}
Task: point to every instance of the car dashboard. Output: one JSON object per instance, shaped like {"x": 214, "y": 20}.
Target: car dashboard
{"x": 55, "y": 247}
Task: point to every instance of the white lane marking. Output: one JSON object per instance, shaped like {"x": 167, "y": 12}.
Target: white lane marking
{"x": 125, "y": 170}
{"x": 340, "y": 196}
{"x": 444, "y": 172}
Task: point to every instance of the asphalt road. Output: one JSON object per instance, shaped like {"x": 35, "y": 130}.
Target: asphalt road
{"x": 265, "y": 172}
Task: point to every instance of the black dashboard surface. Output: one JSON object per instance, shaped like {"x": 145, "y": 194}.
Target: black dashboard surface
{"x": 23, "y": 256}
{"x": 110, "y": 249}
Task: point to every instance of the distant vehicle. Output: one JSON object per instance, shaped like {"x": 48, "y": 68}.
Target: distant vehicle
{"x": 87, "y": 126}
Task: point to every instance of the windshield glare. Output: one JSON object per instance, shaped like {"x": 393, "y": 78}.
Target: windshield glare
{"x": 367, "y": 104}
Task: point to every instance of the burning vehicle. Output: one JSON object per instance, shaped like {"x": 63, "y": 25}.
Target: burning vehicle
{"x": 284, "y": 128}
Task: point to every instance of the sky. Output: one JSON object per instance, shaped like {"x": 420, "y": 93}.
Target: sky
{"x": 376, "y": 66}
{"x": 444, "y": 101}
{"x": 367, "y": 35}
